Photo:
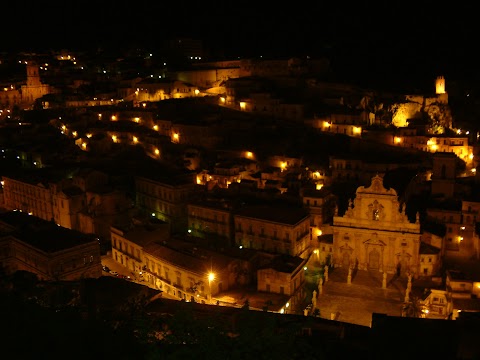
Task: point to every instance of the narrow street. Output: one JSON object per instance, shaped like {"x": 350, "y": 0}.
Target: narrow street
{"x": 122, "y": 270}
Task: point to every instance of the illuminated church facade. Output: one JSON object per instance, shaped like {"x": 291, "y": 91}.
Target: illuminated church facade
{"x": 375, "y": 234}
{"x": 26, "y": 95}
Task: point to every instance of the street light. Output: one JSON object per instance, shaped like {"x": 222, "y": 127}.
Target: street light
{"x": 211, "y": 277}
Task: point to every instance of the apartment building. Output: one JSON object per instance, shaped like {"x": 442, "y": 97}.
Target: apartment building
{"x": 165, "y": 197}
{"x": 283, "y": 275}
{"x": 278, "y": 230}
{"x": 51, "y": 252}
{"x": 430, "y": 260}
{"x": 178, "y": 267}
{"x": 211, "y": 219}
{"x": 28, "y": 194}
{"x": 321, "y": 205}
{"x": 129, "y": 240}
{"x": 84, "y": 202}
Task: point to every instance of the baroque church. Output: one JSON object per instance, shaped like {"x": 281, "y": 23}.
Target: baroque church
{"x": 26, "y": 95}
{"x": 375, "y": 234}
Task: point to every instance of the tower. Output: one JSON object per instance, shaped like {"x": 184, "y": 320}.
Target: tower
{"x": 442, "y": 96}
{"x": 440, "y": 85}
{"x": 33, "y": 78}
{"x": 34, "y": 88}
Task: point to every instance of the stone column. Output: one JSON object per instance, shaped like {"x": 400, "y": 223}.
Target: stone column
{"x": 384, "y": 281}
{"x": 409, "y": 288}
{"x": 325, "y": 274}
{"x": 349, "y": 277}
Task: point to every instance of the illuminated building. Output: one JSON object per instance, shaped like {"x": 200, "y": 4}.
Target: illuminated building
{"x": 26, "y": 95}
{"x": 273, "y": 229}
{"x": 375, "y": 234}
{"x": 283, "y": 275}
{"x": 175, "y": 266}
{"x": 211, "y": 219}
{"x": 165, "y": 198}
{"x": 49, "y": 251}
{"x": 28, "y": 194}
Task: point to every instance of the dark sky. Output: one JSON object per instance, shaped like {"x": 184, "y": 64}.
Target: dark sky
{"x": 397, "y": 39}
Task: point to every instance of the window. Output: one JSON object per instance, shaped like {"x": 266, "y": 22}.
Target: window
{"x": 282, "y": 290}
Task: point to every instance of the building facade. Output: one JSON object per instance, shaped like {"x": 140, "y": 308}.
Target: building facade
{"x": 165, "y": 199}
{"x": 51, "y": 252}
{"x": 211, "y": 219}
{"x": 32, "y": 197}
{"x": 375, "y": 234}
{"x": 273, "y": 229}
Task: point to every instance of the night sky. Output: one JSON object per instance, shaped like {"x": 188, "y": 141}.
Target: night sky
{"x": 388, "y": 40}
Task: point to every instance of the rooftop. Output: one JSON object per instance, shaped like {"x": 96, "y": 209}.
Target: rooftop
{"x": 284, "y": 215}
{"x": 41, "y": 234}
{"x": 186, "y": 255}
{"x": 284, "y": 263}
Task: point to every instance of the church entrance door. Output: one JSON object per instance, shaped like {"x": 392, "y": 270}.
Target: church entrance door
{"x": 346, "y": 260}
{"x": 374, "y": 260}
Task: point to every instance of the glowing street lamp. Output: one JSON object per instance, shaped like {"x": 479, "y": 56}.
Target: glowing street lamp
{"x": 211, "y": 277}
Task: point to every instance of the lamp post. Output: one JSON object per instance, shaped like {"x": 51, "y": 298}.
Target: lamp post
{"x": 211, "y": 277}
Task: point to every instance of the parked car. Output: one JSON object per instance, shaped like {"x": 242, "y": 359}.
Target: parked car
{"x": 114, "y": 273}
{"x": 106, "y": 268}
